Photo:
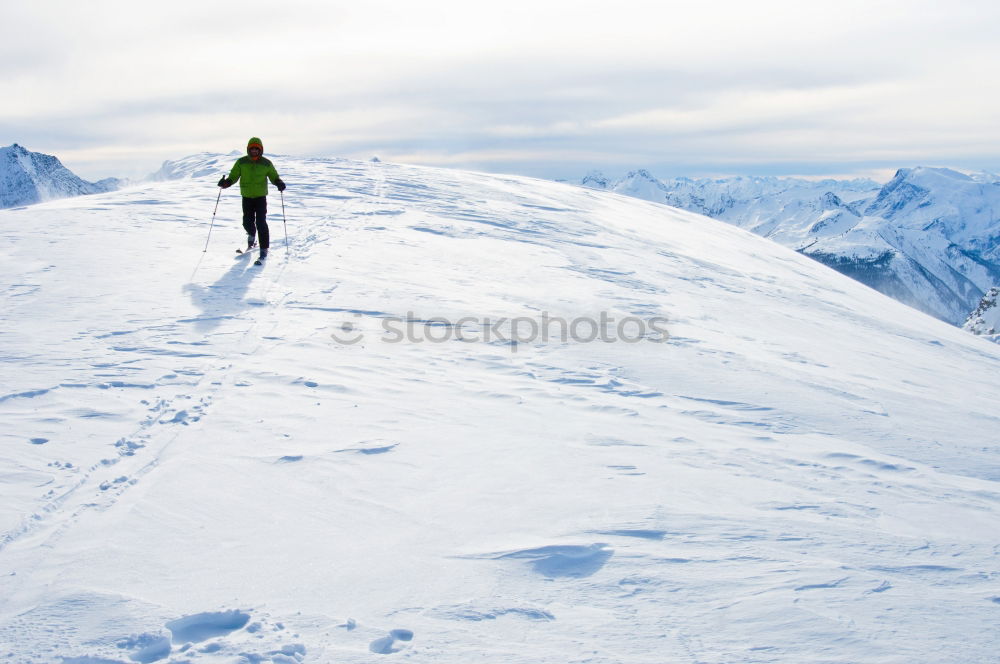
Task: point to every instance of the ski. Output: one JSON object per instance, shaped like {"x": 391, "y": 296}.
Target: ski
{"x": 250, "y": 247}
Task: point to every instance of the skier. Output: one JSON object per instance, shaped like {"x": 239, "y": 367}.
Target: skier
{"x": 253, "y": 171}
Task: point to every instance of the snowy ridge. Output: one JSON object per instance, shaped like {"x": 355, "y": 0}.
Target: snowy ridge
{"x": 929, "y": 238}
{"x": 32, "y": 177}
{"x": 204, "y": 461}
{"x": 199, "y": 165}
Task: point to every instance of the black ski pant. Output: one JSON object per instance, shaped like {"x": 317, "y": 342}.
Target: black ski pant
{"x": 255, "y": 219}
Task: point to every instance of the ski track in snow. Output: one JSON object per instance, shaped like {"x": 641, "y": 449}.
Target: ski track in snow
{"x": 199, "y": 473}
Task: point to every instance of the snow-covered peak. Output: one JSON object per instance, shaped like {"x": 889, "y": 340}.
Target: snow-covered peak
{"x": 596, "y": 180}
{"x": 196, "y": 165}
{"x": 930, "y": 176}
{"x": 831, "y": 201}
{"x": 962, "y": 206}
{"x": 641, "y": 184}
{"x": 31, "y": 177}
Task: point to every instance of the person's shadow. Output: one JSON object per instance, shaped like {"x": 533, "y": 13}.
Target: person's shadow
{"x": 223, "y": 300}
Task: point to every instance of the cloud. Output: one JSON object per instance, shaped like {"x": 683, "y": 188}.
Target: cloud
{"x": 568, "y": 84}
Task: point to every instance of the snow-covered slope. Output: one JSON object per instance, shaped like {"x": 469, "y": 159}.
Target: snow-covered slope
{"x": 929, "y": 238}
{"x": 30, "y": 177}
{"x": 204, "y": 461}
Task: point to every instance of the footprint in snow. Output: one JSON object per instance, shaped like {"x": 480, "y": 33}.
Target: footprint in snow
{"x": 391, "y": 643}
{"x": 115, "y": 482}
{"x": 144, "y": 648}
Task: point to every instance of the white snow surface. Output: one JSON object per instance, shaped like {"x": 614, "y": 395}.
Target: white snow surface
{"x": 194, "y": 470}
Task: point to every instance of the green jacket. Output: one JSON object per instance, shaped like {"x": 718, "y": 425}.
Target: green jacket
{"x": 253, "y": 176}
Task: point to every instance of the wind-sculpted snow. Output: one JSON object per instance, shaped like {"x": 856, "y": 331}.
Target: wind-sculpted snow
{"x": 466, "y": 417}
{"x": 204, "y": 626}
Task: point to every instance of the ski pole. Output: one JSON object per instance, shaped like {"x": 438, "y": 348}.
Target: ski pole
{"x": 213, "y": 220}
{"x": 283, "y": 220}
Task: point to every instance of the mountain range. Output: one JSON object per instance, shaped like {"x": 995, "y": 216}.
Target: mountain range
{"x": 29, "y": 177}
{"x": 929, "y": 238}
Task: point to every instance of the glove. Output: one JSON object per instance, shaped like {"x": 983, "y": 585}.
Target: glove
{"x": 279, "y": 184}
{"x": 225, "y": 183}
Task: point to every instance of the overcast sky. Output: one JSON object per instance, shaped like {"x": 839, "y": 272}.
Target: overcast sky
{"x": 552, "y": 89}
